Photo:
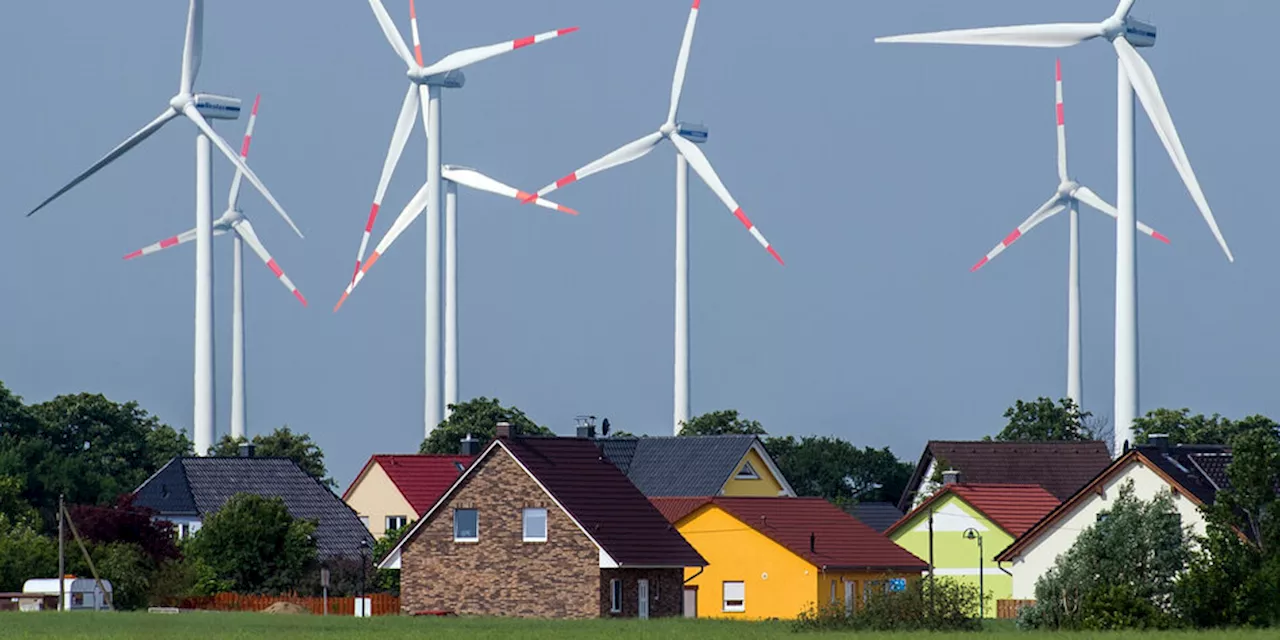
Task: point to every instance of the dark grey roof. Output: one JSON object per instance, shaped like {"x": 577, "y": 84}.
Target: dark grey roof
{"x": 1200, "y": 469}
{"x": 672, "y": 467}
{"x": 200, "y": 486}
{"x": 877, "y": 515}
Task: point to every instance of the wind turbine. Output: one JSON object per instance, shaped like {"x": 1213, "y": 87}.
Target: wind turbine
{"x": 198, "y": 108}
{"x": 234, "y": 221}
{"x": 1069, "y": 196}
{"x": 686, "y": 139}
{"x": 453, "y": 176}
{"x": 426, "y": 83}
{"x": 1133, "y": 76}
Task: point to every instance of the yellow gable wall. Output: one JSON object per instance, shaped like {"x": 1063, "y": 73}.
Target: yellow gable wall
{"x": 376, "y": 497}
{"x": 767, "y": 485}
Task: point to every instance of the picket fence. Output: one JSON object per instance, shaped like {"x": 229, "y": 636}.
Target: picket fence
{"x": 382, "y": 604}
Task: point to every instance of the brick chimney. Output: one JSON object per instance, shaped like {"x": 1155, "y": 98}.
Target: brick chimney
{"x": 503, "y": 431}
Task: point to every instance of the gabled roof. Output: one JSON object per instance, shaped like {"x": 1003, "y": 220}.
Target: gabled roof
{"x": 839, "y": 541}
{"x": 877, "y": 515}
{"x": 1060, "y": 467}
{"x": 420, "y": 478}
{"x": 1012, "y": 507}
{"x": 200, "y": 486}
{"x": 595, "y": 494}
{"x": 1196, "y": 471}
{"x": 685, "y": 465}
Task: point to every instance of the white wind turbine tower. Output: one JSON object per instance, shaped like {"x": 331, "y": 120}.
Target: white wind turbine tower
{"x": 453, "y": 176}
{"x": 196, "y": 107}
{"x": 426, "y": 85}
{"x": 1069, "y": 196}
{"x": 1133, "y": 75}
{"x": 234, "y": 221}
{"x": 686, "y": 139}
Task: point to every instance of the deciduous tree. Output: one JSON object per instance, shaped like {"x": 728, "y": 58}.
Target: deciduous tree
{"x": 478, "y": 418}
{"x": 1044, "y": 421}
{"x": 282, "y": 443}
{"x": 253, "y": 545}
{"x": 719, "y": 423}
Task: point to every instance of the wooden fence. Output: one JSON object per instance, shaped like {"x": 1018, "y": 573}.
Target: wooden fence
{"x": 382, "y": 604}
{"x": 1008, "y": 609}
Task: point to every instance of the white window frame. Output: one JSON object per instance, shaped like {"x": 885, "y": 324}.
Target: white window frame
{"x": 524, "y": 524}
{"x": 615, "y": 596}
{"x": 364, "y": 520}
{"x": 741, "y": 605}
{"x": 456, "y": 538}
{"x": 404, "y": 520}
{"x": 747, "y": 472}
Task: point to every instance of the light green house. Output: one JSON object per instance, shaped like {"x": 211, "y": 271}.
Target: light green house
{"x": 962, "y": 514}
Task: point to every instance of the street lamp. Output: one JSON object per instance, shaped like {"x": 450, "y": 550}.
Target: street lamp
{"x": 973, "y": 534}
{"x": 364, "y": 571}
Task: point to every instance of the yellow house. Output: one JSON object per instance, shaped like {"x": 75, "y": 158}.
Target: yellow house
{"x": 393, "y": 490}
{"x": 777, "y": 557}
{"x": 696, "y": 466}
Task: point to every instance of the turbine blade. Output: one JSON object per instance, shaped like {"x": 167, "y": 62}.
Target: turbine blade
{"x": 194, "y": 115}
{"x": 626, "y": 153}
{"x": 1144, "y": 84}
{"x": 480, "y": 182}
{"x": 244, "y": 229}
{"x": 1034, "y": 35}
{"x": 181, "y": 238}
{"x": 417, "y": 40}
{"x": 193, "y": 47}
{"x": 404, "y": 126}
{"x": 1087, "y": 196}
{"x": 1125, "y": 6}
{"x": 1054, "y": 206}
{"x": 682, "y": 63}
{"x": 120, "y": 150}
{"x": 468, "y": 57}
{"x": 703, "y": 168}
{"x": 1062, "y": 130}
{"x": 410, "y": 213}
{"x": 233, "y": 199}
{"x": 392, "y": 34}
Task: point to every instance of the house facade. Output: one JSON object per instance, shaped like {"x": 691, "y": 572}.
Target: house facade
{"x": 392, "y": 491}
{"x": 997, "y": 513}
{"x": 1191, "y": 474}
{"x": 543, "y": 528}
{"x": 771, "y": 557}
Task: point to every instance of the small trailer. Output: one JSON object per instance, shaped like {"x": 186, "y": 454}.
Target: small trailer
{"x": 82, "y": 594}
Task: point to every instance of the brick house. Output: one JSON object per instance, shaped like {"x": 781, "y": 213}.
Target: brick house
{"x": 543, "y": 527}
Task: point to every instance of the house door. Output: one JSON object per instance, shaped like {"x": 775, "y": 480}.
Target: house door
{"x": 848, "y": 597}
{"x": 642, "y": 597}
{"x": 690, "y": 602}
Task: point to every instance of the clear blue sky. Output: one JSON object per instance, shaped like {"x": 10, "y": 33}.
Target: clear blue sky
{"x": 880, "y": 172}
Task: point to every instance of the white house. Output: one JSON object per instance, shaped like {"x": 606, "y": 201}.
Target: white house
{"x": 81, "y": 593}
{"x": 1192, "y": 474}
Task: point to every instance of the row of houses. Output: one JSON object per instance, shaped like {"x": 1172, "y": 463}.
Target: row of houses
{"x": 577, "y": 527}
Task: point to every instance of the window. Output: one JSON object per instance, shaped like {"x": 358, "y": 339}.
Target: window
{"x": 747, "y": 472}
{"x": 615, "y": 596}
{"x": 834, "y": 593}
{"x": 364, "y": 520}
{"x": 735, "y": 597}
{"x": 466, "y": 525}
{"x": 395, "y": 522}
{"x": 535, "y": 525}
{"x": 1103, "y": 516}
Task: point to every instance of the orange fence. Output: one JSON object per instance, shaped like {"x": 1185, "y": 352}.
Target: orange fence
{"x": 381, "y": 603}
{"x": 1008, "y": 609}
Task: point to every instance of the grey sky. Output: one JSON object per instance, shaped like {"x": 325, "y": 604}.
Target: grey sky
{"x": 880, "y": 172}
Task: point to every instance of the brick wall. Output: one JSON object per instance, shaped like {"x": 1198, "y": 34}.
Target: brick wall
{"x": 501, "y": 575}
{"x": 666, "y": 592}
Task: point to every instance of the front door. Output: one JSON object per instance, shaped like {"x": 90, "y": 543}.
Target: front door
{"x": 848, "y": 597}
{"x": 642, "y": 596}
{"x": 690, "y": 602}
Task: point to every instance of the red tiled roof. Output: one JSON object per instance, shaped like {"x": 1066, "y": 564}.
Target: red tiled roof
{"x": 840, "y": 541}
{"x": 1012, "y": 507}
{"x": 597, "y": 494}
{"x": 422, "y": 478}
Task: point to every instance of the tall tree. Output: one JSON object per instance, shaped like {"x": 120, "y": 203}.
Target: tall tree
{"x": 1184, "y": 428}
{"x": 478, "y": 418}
{"x": 282, "y": 443}
{"x": 125, "y": 523}
{"x": 254, "y": 545}
{"x": 719, "y": 423}
{"x": 837, "y": 470}
{"x": 1043, "y": 420}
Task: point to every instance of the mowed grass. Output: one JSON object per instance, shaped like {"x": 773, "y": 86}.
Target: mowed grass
{"x": 257, "y": 625}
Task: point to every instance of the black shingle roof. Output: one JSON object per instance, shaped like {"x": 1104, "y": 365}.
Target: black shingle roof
{"x": 1200, "y": 469}
{"x": 687, "y": 466}
{"x": 877, "y": 515}
{"x": 200, "y": 486}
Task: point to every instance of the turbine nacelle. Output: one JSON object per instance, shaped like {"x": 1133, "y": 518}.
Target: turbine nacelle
{"x": 454, "y": 79}
{"x": 695, "y": 133}
{"x": 215, "y": 107}
{"x": 1139, "y": 34}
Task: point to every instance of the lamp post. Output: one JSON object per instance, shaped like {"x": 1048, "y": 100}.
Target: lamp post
{"x": 364, "y": 571}
{"x": 973, "y": 534}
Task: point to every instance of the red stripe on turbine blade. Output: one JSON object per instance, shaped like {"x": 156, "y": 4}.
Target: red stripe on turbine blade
{"x": 524, "y": 196}
{"x": 1059, "y": 65}
{"x": 565, "y": 32}
{"x": 244, "y": 148}
{"x": 165, "y": 244}
{"x": 341, "y": 301}
{"x": 357, "y": 271}
{"x": 564, "y": 209}
{"x": 275, "y": 268}
{"x": 523, "y": 42}
{"x": 696, "y": 3}
{"x": 373, "y": 213}
{"x": 776, "y": 256}
{"x": 417, "y": 53}
{"x": 298, "y": 294}
{"x": 981, "y": 263}
{"x": 1062, "y": 116}
{"x": 368, "y": 264}
{"x": 1160, "y": 236}
{"x": 413, "y": 10}
{"x": 1013, "y": 237}
{"x": 567, "y": 180}
{"x": 133, "y": 255}
{"x": 742, "y": 217}
{"x": 257, "y": 100}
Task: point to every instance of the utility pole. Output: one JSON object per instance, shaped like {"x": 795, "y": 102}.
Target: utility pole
{"x": 62, "y": 559}
{"x": 932, "y": 584}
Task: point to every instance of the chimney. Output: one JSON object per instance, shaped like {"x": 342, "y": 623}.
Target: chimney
{"x": 586, "y": 427}
{"x": 1160, "y": 441}
{"x": 470, "y": 446}
{"x": 503, "y": 431}
{"x": 950, "y": 476}
{"x": 587, "y": 432}
{"x": 246, "y": 449}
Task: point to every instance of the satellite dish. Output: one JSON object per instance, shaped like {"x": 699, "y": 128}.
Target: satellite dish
{"x": 604, "y": 427}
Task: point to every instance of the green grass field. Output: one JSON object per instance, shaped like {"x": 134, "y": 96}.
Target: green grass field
{"x": 256, "y": 625}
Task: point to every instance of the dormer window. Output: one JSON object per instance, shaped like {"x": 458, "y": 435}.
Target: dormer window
{"x": 747, "y": 472}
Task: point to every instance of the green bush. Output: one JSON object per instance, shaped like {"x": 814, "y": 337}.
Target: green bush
{"x": 947, "y": 605}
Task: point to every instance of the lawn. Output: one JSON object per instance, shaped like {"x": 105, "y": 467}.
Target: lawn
{"x": 256, "y": 625}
